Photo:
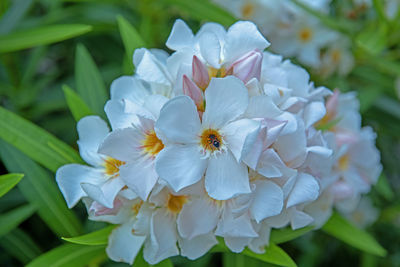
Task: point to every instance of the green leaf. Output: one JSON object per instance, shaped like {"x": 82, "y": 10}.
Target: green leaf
{"x": 8, "y": 181}
{"x": 343, "y": 230}
{"x": 286, "y": 234}
{"x": 273, "y": 254}
{"x": 203, "y": 10}
{"x": 40, "y": 189}
{"x": 372, "y": 39}
{"x": 383, "y": 188}
{"x": 130, "y": 36}
{"x": 99, "y": 237}
{"x": 13, "y": 218}
{"x": 76, "y": 105}
{"x": 18, "y": 244}
{"x": 35, "y": 142}
{"x": 69, "y": 255}
{"x": 89, "y": 83}
{"x": 41, "y": 36}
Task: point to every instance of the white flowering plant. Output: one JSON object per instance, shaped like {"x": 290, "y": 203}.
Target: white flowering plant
{"x": 213, "y": 147}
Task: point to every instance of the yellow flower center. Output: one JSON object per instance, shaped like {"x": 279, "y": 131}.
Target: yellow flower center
{"x": 175, "y": 203}
{"x": 136, "y": 207}
{"x": 336, "y": 55}
{"x": 111, "y": 166}
{"x": 305, "y": 35}
{"x": 211, "y": 140}
{"x": 247, "y": 10}
{"x": 151, "y": 144}
{"x": 344, "y": 162}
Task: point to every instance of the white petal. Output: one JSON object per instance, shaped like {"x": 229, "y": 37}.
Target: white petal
{"x": 313, "y": 112}
{"x": 305, "y": 190}
{"x": 149, "y": 68}
{"x": 122, "y": 144}
{"x": 179, "y": 121}
{"x": 123, "y": 246}
{"x": 69, "y": 178}
{"x": 92, "y": 130}
{"x": 210, "y": 48}
{"x": 237, "y": 244}
{"x": 130, "y": 88}
{"x": 115, "y": 110}
{"x": 163, "y": 238}
{"x": 243, "y": 37}
{"x": 226, "y": 99}
{"x": 268, "y": 200}
{"x": 262, "y": 107}
{"x": 140, "y": 177}
{"x": 181, "y": 36}
{"x": 199, "y": 216}
{"x": 198, "y": 246}
{"x": 180, "y": 165}
{"x": 270, "y": 165}
{"x": 232, "y": 226}
{"x": 106, "y": 193}
{"x": 300, "y": 219}
{"x": 225, "y": 177}
{"x": 154, "y": 103}
{"x": 240, "y": 136}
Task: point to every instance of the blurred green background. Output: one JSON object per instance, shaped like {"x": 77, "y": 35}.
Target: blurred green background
{"x": 50, "y": 48}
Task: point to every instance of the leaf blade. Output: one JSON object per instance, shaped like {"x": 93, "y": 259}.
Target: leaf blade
{"x": 76, "y": 105}
{"x": 8, "y": 181}
{"x": 41, "y": 36}
{"x": 343, "y": 230}
{"x": 35, "y": 142}
{"x": 286, "y": 234}
{"x": 274, "y": 255}
{"x": 13, "y": 218}
{"x": 96, "y": 238}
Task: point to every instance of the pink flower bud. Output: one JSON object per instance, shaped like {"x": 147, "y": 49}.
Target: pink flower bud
{"x": 341, "y": 190}
{"x": 248, "y": 66}
{"x": 200, "y": 73}
{"x": 194, "y": 92}
{"x": 332, "y": 103}
{"x": 101, "y": 210}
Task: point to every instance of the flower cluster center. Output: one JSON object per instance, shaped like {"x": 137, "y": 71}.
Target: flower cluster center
{"x": 175, "y": 203}
{"x": 211, "y": 140}
{"x": 151, "y": 144}
{"x": 111, "y": 166}
{"x": 344, "y": 162}
{"x": 305, "y": 35}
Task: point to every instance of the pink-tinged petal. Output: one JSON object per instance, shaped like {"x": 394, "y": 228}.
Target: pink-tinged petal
{"x": 69, "y": 178}
{"x": 268, "y": 200}
{"x": 240, "y": 136}
{"x": 123, "y": 246}
{"x": 91, "y": 130}
{"x": 198, "y": 246}
{"x": 300, "y": 219}
{"x": 225, "y": 177}
{"x": 243, "y": 37}
{"x": 163, "y": 237}
{"x": 106, "y": 193}
{"x": 248, "y": 66}
{"x": 193, "y": 91}
{"x": 198, "y": 217}
{"x": 341, "y": 190}
{"x": 181, "y": 36}
{"x": 100, "y": 210}
{"x": 305, "y": 190}
{"x": 180, "y": 165}
{"x": 200, "y": 73}
{"x": 140, "y": 177}
{"x": 332, "y": 104}
{"x": 226, "y": 99}
{"x": 179, "y": 121}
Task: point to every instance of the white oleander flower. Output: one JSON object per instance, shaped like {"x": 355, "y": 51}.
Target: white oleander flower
{"x": 365, "y": 213}
{"x": 338, "y": 57}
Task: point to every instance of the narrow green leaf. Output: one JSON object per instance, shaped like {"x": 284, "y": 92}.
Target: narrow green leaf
{"x": 96, "y": 238}
{"x": 69, "y": 255}
{"x": 8, "y": 181}
{"x": 373, "y": 38}
{"x": 130, "y": 36}
{"x": 41, "y": 36}
{"x": 18, "y": 244}
{"x": 383, "y": 188}
{"x": 343, "y": 230}
{"x": 40, "y": 189}
{"x": 35, "y": 142}
{"x": 14, "y": 15}
{"x": 76, "y": 105}
{"x": 273, "y": 254}
{"x": 13, "y": 218}
{"x": 89, "y": 83}
{"x": 203, "y": 10}
{"x": 286, "y": 234}
{"x": 164, "y": 263}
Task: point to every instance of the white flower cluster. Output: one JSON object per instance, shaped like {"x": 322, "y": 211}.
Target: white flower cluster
{"x": 293, "y": 32}
{"x": 218, "y": 139}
